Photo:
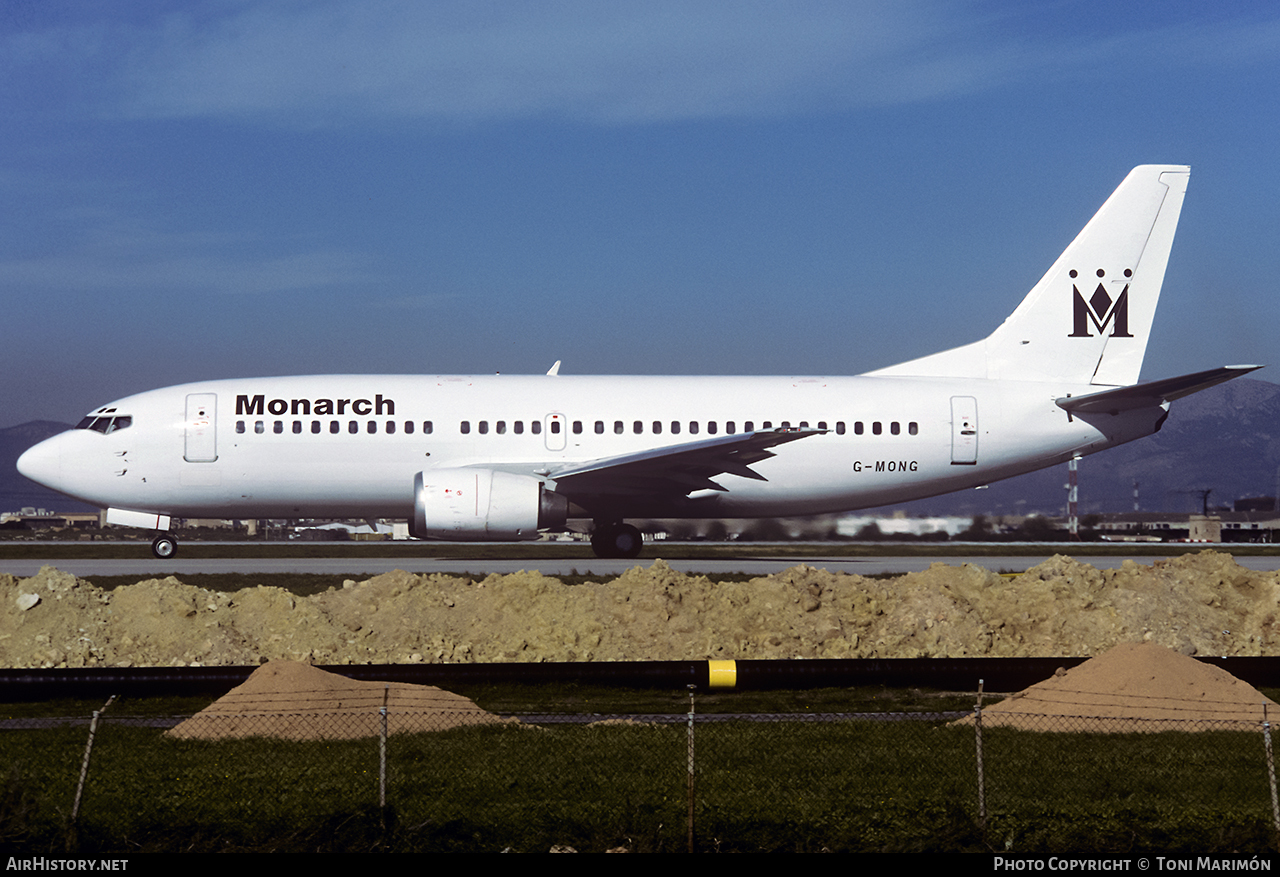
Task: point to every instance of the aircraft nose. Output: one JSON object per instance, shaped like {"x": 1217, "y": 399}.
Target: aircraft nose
{"x": 42, "y": 463}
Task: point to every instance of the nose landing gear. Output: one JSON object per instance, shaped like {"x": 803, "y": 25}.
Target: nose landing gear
{"x": 164, "y": 546}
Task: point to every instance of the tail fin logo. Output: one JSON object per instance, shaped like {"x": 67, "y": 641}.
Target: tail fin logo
{"x": 1100, "y": 310}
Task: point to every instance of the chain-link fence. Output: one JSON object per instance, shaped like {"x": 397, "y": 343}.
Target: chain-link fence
{"x": 464, "y": 780}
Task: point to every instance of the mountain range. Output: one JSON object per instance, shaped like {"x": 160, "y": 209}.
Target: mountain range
{"x": 1225, "y": 439}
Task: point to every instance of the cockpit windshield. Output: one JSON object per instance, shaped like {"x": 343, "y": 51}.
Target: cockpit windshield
{"x": 106, "y": 423}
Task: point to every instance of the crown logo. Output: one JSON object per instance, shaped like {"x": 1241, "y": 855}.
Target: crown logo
{"x": 1100, "y": 310}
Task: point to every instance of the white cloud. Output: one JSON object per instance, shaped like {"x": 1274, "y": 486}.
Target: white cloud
{"x": 334, "y": 62}
{"x": 179, "y": 265}
{"x": 330, "y": 62}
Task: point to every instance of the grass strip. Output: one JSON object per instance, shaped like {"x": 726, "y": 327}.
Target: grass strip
{"x": 761, "y": 786}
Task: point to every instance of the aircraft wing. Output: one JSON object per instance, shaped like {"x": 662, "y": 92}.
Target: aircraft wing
{"x": 1152, "y": 393}
{"x": 675, "y": 469}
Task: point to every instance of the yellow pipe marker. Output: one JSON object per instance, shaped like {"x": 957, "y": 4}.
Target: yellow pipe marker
{"x": 722, "y": 674}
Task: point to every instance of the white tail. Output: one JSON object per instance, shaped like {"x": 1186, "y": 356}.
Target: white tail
{"x": 1089, "y": 317}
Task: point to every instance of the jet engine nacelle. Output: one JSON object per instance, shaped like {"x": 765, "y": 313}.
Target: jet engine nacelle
{"x": 483, "y": 505}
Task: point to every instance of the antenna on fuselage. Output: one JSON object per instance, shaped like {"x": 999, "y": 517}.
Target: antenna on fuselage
{"x": 555, "y": 369}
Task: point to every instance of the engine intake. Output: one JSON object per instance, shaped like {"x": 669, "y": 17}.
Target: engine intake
{"x": 483, "y": 505}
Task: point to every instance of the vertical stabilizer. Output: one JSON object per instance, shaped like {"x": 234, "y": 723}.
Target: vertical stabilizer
{"x": 1089, "y": 317}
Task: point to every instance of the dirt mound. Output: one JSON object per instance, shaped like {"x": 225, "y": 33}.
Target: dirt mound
{"x": 1199, "y": 604}
{"x": 299, "y": 702}
{"x": 1135, "y": 687}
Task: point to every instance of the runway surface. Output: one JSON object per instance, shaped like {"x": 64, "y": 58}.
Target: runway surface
{"x": 148, "y": 567}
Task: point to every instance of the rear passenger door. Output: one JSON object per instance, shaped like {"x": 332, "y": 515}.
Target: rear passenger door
{"x": 964, "y": 431}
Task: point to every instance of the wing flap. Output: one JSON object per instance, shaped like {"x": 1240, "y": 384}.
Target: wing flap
{"x": 675, "y": 469}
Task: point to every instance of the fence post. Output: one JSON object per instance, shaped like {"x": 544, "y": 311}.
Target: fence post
{"x": 88, "y": 748}
{"x": 382, "y": 757}
{"x": 690, "y": 768}
{"x": 1271, "y": 773}
{"x": 982, "y": 783}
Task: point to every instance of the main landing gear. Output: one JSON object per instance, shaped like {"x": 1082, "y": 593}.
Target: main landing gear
{"x": 164, "y": 546}
{"x": 616, "y": 539}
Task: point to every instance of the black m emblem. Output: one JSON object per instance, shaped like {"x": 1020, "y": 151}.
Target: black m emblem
{"x": 1100, "y": 310}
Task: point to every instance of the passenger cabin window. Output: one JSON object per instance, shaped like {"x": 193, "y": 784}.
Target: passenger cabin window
{"x": 617, "y": 427}
{"x": 599, "y": 427}
{"x": 465, "y": 427}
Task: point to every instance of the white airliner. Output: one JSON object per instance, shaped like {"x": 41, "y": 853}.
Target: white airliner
{"x": 499, "y": 458}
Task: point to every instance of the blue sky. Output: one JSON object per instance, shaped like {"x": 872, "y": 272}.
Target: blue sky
{"x": 228, "y": 189}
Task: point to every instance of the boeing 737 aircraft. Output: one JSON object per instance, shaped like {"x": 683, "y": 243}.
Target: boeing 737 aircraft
{"x": 498, "y": 458}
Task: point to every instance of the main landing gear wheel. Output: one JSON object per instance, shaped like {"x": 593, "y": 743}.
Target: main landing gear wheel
{"x": 616, "y": 540}
{"x": 164, "y": 546}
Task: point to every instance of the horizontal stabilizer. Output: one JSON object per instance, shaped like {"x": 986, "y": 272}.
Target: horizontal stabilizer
{"x": 1152, "y": 393}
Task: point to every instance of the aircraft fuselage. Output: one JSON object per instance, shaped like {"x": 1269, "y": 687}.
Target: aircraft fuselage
{"x": 351, "y": 445}
{"x": 496, "y": 458}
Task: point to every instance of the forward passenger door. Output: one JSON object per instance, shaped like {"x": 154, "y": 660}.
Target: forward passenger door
{"x": 200, "y": 428}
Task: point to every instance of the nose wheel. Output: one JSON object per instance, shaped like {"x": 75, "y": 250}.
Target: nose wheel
{"x": 164, "y": 546}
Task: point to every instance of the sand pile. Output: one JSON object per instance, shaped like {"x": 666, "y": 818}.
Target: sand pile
{"x": 1198, "y": 604}
{"x": 299, "y": 702}
{"x": 1135, "y": 687}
